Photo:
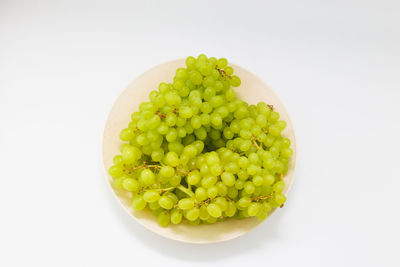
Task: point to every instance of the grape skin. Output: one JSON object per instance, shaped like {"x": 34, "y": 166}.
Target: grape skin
{"x": 196, "y": 153}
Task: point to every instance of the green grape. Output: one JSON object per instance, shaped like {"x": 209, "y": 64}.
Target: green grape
{"x": 181, "y": 74}
{"x": 258, "y": 180}
{"x": 147, "y": 177}
{"x": 199, "y": 145}
{"x": 157, "y": 154}
{"x": 228, "y": 134}
{"x": 188, "y": 128}
{"x": 287, "y": 152}
{"x": 194, "y": 177}
{"x": 204, "y": 170}
{"x": 163, "y": 87}
{"x": 206, "y": 108}
{"x": 232, "y": 167}
{"x": 117, "y": 159}
{"x": 222, "y": 189}
{"x": 151, "y": 196}
{"x": 163, "y": 218}
{"x": 215, "y": 134}
{"x": 242, "y": 175}
{"x": 200, "y": 133}
{"x": 232, "y": 192}
{"x": 280, "y": 198}
{"x": 211, "y": 220}
{"x": 167, "y": 171}
{"x": 208, "y": 181}
{"x": 172, "y": 159}
{"x": 216, "y": 169}
{"x": 196, "y": 122}
{"x": 205, "y": 119}
{"x": 231, "y": 209}
{"x": 175, "y": 180}
{"x": 130, "y": 184}
{"x": 273, "y": 117}
{"x": 217, "y": 101}
{"x": 171, "y": 119}
{"x": 130, "y": 154}
{"x": 127, "y": 134}
{"x": 190, "y": 63}
{"x": 222, "y": 63}
{"x": 244, "y": 202}
{"x": 138, "y": 203}
{"x": 176, "y": 216}
{"x": 171, "y": 135}
{"x": 239, "y": 184}
{"x": 228, "y": 179}
{"x": 190, "y": 150}
{"x": 201, "y": 194}
{"x": 193, "y": 214}
{"x": 166, "y": 202}
{"x": 185, "y": 112}
{"x": 268, "y": 180}
{"x": 154, "y": 122}
{"x": 186, "y": 203}
{"x": 195, "y": 77}
{"x": 278, "y": 187}
{"x": 212, "y": 158}
{"x": 176, "y": 147}
{"x": 116, "y": 171}
{"x": 204, "y": 215}
{"x": 249, "y": 187}
{"x": 212, "y": 192}
{"x": 222, "y": 203}
{"x": 253, "y": 209}
{"x": 172, "y": 196}
{"x": 214, "y": 210}
{"x": 184, "y": 159}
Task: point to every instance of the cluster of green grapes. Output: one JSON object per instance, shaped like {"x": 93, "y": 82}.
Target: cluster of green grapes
{"x": 196, "y": 152}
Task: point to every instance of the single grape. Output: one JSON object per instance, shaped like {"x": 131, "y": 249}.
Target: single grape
{"x": 193, "y": 214}
{"x": 163, "y": 218}
{"x": 194, "y": 177}
{"x": 166, "y": 202}
{"x": 138, "y": 203}
{"x": 151, "y": 196}
{"x": 204, "y": 215}
{"x": 147, "y": 177}
{"x": 214, "y": 210}
{"x": 130, "y": 184}
{"x": 176, "y": 216}
{"x": 253, "y": 209}
{"x": 212, "y": 192}
{"x": 186, "y": 203}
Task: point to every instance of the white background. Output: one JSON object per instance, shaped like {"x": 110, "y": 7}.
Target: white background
{"x": 335, "y": 64}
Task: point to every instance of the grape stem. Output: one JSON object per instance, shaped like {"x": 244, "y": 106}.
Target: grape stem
{"x": 255, "y": 143}
{"x": 166, "y": 189}
{"x": 262, "y": 197}
{"x": 144, "y": 167}
{"x": 185, "y": 190}
{"x": 161, "y": 115}
{"x": 223, "y": 73}
{"x": 182, "y": 171}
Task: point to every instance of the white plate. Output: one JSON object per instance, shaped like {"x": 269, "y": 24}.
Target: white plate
{"x": 252, "y": 90}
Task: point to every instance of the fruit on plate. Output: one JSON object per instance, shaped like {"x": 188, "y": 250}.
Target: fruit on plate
{"x": 196, "y": 153}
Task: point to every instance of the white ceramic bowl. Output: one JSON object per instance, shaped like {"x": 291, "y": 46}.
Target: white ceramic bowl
{"x": 252, "y": 90}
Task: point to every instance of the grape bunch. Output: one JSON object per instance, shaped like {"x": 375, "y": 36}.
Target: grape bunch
{"x": 197, "y": 153}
